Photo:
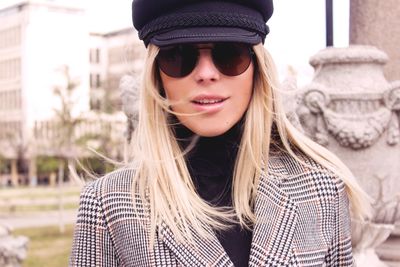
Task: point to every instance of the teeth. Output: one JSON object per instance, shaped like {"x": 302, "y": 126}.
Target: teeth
{"x": 208, "y": 101}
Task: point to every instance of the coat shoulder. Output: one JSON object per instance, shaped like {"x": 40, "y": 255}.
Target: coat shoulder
{"x": 119, "y": 180}
{"x": 303, "y": 178}
{"x": 114, "y": 194}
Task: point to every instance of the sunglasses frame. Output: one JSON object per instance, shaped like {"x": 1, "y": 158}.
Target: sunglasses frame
{"x": 248, "y": 47}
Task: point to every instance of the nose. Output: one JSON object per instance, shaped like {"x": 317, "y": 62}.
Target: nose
{"x": 205, "y": 71}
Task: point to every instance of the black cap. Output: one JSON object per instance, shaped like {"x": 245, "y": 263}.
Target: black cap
{"x": 167, "y": 22}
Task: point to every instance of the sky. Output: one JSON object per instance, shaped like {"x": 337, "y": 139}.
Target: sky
{"x": 297, "y": 29}
{"x": 298, "y": 32}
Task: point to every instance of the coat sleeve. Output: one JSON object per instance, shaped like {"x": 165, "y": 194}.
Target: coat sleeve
{"x": 92, "y": 244}
{"x": 340, "y": 251}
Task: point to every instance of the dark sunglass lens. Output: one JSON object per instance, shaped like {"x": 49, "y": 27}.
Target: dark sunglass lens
{"x": 231, "y": 59}
{"x": 177, "y": 61}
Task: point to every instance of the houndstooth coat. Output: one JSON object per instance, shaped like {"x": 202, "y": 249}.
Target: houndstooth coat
{"x": 302, "y": 213}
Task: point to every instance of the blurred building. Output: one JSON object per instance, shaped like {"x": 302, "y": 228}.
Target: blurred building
{"x": 44, "y": 45}
{"x": 112, "y": 55}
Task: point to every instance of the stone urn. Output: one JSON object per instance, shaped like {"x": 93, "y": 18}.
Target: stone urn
{"x": 13, "y": 250}
{"x": 351, "y": 108}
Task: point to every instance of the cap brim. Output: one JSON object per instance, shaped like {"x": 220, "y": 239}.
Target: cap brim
{"x": 205, "y": 35}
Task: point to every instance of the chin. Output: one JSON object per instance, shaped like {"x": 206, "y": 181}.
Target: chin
{"x": 211, "y": 134}
{"x": 210, "y": 131}
{"x": 209, "y": 127}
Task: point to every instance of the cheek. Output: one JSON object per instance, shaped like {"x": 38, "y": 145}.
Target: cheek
{"x": 246, "y": 89}
{"x": 166, "y": 87}
{"x": 174, "y": 89}
{"x": 244, "y": 99}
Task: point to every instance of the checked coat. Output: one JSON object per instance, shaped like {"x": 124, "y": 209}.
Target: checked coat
{"x": 302, "y": 220}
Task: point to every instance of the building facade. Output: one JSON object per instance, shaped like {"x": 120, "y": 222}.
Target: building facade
{"x": 113, "y": 55}
{"x": 39, "y": 41}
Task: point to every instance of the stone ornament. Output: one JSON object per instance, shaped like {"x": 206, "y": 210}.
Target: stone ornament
{"x": 351, "y": 129}
{"x": 355, "y": 119}
{"x": 128, "y": 87}
{"x": 392, "y": 96}
{"x": 13, "y": 250}
{"x": 350, "y": 108}
{"x": 392, "y": 101}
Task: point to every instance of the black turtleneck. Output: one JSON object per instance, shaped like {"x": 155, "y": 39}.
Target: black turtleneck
{"x": 211, "y": 164}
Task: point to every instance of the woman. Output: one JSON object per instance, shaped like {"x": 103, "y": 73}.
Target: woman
{"x": 218, "y": 175}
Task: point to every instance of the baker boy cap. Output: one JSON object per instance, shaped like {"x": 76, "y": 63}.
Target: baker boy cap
{"x": 168, "y": 22}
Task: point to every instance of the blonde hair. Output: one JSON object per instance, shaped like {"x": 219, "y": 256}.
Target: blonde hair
{"x": 162, "y": 181}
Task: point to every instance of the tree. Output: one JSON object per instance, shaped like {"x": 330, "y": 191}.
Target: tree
{"x": 75, "y": 131}
{"x": 66, "y": 123}
{"x": 17, "y": 148}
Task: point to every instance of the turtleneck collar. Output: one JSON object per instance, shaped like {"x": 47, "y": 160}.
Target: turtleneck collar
{"x": 211, "y": 162}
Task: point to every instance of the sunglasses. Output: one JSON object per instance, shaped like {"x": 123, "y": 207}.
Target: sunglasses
{"x": 231, "y": 59}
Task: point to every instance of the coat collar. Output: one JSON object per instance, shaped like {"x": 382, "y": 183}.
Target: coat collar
{"x": 276, "y": 215}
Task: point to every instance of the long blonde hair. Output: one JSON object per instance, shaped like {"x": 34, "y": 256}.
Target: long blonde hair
{"x": 162, "y": 181}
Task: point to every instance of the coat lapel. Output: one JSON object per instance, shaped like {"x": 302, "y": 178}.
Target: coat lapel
{"x": 206, "y": 253}
{"x": 273, "y": 232}
{"x": 276, "y": 215}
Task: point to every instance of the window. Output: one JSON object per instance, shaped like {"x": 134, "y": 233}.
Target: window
{"x": 97, "y": 55}
{"x": 91, "y": 80}
{"x": 94, "y": 55}
{"x": 10, "y": 69}
{"x": 95, "y": 104}
{"x": 10, "y": 37}
{"x": 95, "y": 80}
{"x": 10, "y": 100}
{"x": 10, "y": 129}
{"x": 98, "y": 81}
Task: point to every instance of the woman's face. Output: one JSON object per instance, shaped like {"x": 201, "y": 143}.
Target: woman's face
{"x": 209, "y": 103}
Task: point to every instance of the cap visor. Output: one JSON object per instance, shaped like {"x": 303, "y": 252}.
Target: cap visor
{"x": 206, "y": 35}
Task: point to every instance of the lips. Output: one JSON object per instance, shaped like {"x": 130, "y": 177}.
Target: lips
{"x": 208, "y": 103}
{"x": 208, "y": 100}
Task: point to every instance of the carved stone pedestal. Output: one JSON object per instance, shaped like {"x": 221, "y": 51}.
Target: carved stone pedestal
{"x": 355, "y": 112}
